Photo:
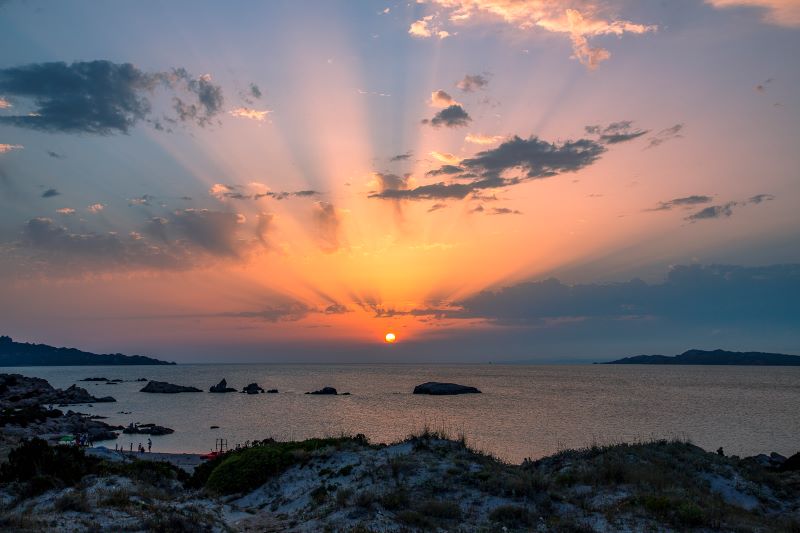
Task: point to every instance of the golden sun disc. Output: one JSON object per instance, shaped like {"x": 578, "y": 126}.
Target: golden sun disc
{"x": 390, "y": 338}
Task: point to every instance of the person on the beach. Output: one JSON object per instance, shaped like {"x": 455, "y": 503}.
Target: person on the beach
{"x": 149, "y": 445}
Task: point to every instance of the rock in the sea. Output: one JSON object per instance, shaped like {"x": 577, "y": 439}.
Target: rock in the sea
{"x": 163, "y": 387}
{"x": 252, "y": 388}
{"x": 272, "y": 391}
{"x": 17, "y": 391}
{"x": 442, "y": 389}
{"x": 147, "y": 429}
{"x": 324, "y": 390}
{"x": 222, "y": 386}
{"x": 75, "y": 394}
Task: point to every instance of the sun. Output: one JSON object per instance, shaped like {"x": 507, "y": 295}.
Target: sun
{"x": 390, "y": 338}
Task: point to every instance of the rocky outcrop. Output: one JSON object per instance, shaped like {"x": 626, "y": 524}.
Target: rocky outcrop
{"x": 147, "y": 429}
{"x": 17, "y": 391}
{"x": 444, "y": 389}
{"x": 162, "y": 387}
{"x": 222, "y": 386}
{"x": 252, "y": 388}
{"x": 325, "y": 390}
{"x": 75, "y": 394}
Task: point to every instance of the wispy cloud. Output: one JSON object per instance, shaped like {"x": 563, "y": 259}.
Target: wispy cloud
{"x": 8, "y": 147}
{"x": 578, "y": 20}
{"x": 247, "y": 112}
{"x": 778, "y": 12}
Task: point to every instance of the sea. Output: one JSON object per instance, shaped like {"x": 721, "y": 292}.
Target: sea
{"x": 524, "y": 411}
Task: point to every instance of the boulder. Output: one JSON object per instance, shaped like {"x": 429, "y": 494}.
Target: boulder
{"x": 325, "y": 390}
{"x": 162, "y": 387}
{"x": 75, "y": 394}
{"x": 222, "y": 386}
{"x": 252, "y": 388}
{"x": 147, "y": 429}
{"x": 443, "y": 389}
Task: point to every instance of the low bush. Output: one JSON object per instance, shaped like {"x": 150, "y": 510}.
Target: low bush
{"x": 441, "y": 509}
{"x": 511, "y": 516}
{"x": 249, "y": 468}
{"x": 42, "y": 467}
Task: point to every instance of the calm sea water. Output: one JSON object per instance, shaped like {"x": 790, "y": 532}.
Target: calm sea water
{"x": 524, "y": 411}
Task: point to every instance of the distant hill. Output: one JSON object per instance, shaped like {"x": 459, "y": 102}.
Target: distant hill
{"x": 712, "y": 357}
{"x": 25, "y": 354}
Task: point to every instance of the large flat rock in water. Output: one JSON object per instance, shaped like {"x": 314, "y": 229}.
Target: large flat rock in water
{"x": 167, "y": 388}
{"x": 443, "y": 389}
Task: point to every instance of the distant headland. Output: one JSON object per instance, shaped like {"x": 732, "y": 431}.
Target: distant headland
{"x": 712, "y": 357}
{"x": 26, "y": 354}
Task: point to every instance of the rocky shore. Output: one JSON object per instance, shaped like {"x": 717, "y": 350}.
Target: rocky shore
{"x": 427, "y": 482}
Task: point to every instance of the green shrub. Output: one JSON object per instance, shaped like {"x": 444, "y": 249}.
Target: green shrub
{"x": 689, "y": 514}
{"x": 42, "y": 467}
{"x": 249, "y": 468}
{"x": 441, "y": 509}
{"x": 397, "y": 499}
{"x": 343, "y": 497}
{"x": 511, "y": 516}
{"x": 415, "y": 519}
{"x": 72, "y": 501}
{"x": 320, "y": 494}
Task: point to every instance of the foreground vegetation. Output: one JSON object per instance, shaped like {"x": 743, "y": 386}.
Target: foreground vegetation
{"x": 425, "y": 483}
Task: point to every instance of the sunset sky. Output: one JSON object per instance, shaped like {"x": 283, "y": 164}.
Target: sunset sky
{"x": 491, "y": 180}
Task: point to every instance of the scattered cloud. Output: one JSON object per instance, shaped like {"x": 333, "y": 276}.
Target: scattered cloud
{"x": 616, "y": 132}
{"x": 247, "y": 112}
{"x": 504, "y": 211}
{"x": 254, "y": 191}
{"x": 762, "y": 87}
{"x": 95, "y": 208}
{"x": 401, "y": 157}
{"x": 685, "y": 202}
{"x": 453, "y": 116}
{"x": 535, "y": 157}
{"x": 667, "y": 134}
{"x": 213, "y": 231}
{"x": 65, "y": 211}
{"x": 445, "y": 157}
{"x": 544, "y": 15}
{"x": 446, "y": 170}
{"x": 255, "y": 92}
{"x": 726, "y": 210}
{"x": 8, "y": 147}
{"x": 145, "y": 200}
{"x": 779, "y": 12}
{"x": 5, "y": 104}
{"x": 473, "y": 82}
{"x": 327, "y": 221}
{"x": 530, "y": 158}
{"x": 441, "y": 99}
{"x": 478, "y": 138}
{"x": 710, "y": 293}
{"x": 102, "y": 97}
{"x": 49, "y": 193}
{"x": 55, "y": 155}
{"x": 427, "y": 26}
{"x": 436, "y": 207}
